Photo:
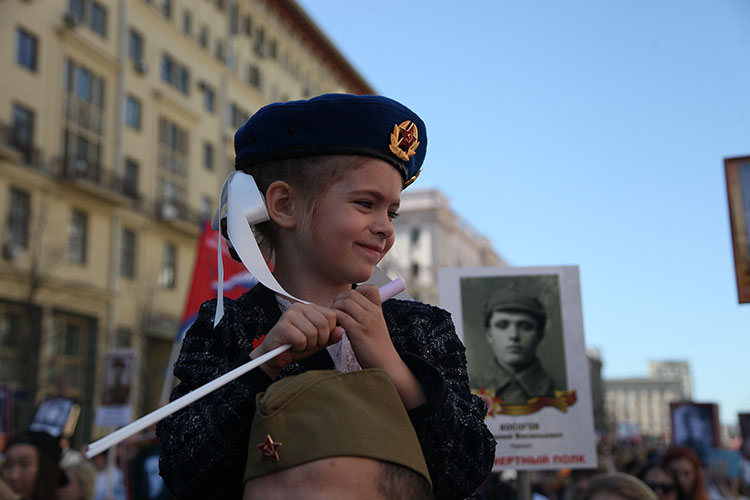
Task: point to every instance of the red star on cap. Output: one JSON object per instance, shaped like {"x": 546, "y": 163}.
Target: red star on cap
{"x": 408, "y": 136}
{"x": 269, "y": 449}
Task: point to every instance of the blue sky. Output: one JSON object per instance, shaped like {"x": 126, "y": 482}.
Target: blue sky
{"x": 587, "y": 133}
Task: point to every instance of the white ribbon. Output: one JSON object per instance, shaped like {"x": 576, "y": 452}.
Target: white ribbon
{"x": 245, "y": 206}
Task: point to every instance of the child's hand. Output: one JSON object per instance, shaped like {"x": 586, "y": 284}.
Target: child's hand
{"x": 360, "y": 313}
{"x": 308, "y": 327}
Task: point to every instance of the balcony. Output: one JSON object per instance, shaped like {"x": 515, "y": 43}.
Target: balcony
{"x": 92, "y": 178}
{"x": 13, "y": 147}
{"x": 178, "y": 214}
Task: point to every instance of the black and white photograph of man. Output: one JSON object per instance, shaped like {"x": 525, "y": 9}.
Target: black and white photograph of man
{"x": 118, "y": 375}
{"x": 695, "y": 425}
{"x": 514, "y": 328}
{"x": 513, "y": 336}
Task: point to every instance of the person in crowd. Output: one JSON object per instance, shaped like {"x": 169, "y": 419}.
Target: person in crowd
{"x": 330, "y": 171}
{"x": 618, "y": 486}
{"x": 31, "y": 466}
{"x": 515, "y": 326}
{"x": 6, "y": 493}
{"x": 578, "y": 485}
{"x": 81, "y": 475}
{"x": 661, "y": 480}
{"x": 325, "y": 434}
{"x": 684, "y": 463}
{"x": 109, "y": 483}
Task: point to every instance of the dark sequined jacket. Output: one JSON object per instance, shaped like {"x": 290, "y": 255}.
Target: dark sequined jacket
{"x": 204, "y": 446}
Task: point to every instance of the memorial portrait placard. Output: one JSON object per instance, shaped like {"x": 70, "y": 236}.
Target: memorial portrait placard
{"x": 523, "y": 332}
{"x": 119, "y": 370}
{"x": 737, "y": 171}
{"x": 695, "y": 425}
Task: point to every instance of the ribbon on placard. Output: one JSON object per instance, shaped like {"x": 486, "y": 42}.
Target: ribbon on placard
{"x": 562, "y": 400}
{"x": 244, "y": 206}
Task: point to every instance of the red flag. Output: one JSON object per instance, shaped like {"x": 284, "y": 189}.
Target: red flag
{"x": 237, "y": 279}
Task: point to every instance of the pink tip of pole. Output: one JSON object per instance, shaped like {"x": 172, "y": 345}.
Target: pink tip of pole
{"x": 392, "y": 289}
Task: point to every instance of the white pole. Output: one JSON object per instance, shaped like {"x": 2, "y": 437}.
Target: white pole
{"x": 386, "y": 292}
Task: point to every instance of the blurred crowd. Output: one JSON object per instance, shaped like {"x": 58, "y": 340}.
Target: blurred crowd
{"x": 37, "y": 466}
{"x": 630, "y": 472}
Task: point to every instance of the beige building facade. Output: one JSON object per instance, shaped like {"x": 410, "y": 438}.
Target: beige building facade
{"x": 116, "y": 127}
{"x": 641, "y": 405}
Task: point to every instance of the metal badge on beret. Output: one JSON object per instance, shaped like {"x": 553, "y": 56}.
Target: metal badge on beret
{"x": 404, "y": 140}
{"x": 270, "y": 449}
{"x": 404, "y": 143}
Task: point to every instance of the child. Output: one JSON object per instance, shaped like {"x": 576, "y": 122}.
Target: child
{"x": 331, "y": 170}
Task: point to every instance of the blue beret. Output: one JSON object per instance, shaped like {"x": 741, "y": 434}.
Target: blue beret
{"x": 368, "y": 125}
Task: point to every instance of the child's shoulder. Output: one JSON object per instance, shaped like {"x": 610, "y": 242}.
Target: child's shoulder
{"x": 251, "y": 303}
{"x": 412, "y": 310}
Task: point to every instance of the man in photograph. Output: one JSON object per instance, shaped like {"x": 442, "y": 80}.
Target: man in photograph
{"x": 514, "y": 326}
{"x": 694, "y": 427}
{"x": 118, "y": 390}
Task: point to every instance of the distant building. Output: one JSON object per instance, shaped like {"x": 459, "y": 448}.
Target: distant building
{"x": 116, "y": 127}
{"x": 594, "y": 358}
{"x": 430, "y": 235}
{"x": 673, "y": 370}
{"x": 641, "y": 404}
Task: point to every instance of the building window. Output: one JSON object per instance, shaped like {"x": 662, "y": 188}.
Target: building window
{"x": 14, "y": 326}
{"x": 247, "y": 25}
{"x": 219, "y": 51}
{"x": 133, "y": 112}
{"x": 84, "y": 85}
{"x": 82, "y": 156}
{"x": 83, "y": 108}
{"x": 76, "y": 10}
{"x": 17, "y": 226}
{"x": 65, "y": 354}
{"x": 166, "y": 8}
{"x": 130, "y": 180}
{"x": 272, "y": 49}
{"x": 175, "y": 73}
{"x": 98, "y": 20}
{"x": 260, "y": 41}
{"x": 237, "y": 115}
{"x": 187, "y": 22}
{"x": 203, "y": 36}
{"x": 91, "y": 13}
{"x": 124, "y": 336}
{"x": 77, "y": 237}
{"x": 254, "y": 76}
{"x": 234, "y": 18}
{"x": 127, "y": 254}
{"x": 135, "y": 46}
{"x": 22, "y": 134}
{"x": 209, "y": 98}
{"x": 173, "y": 162}
{"x": 169, "y": 266}
{"x": 26, "y": 46}
{"x": 208, "y": 156}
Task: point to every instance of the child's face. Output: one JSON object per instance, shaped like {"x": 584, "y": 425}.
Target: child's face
{"x": 353, "y": 227}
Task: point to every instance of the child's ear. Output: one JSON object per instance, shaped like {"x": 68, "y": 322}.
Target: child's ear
{"x": 280, "y": 202}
